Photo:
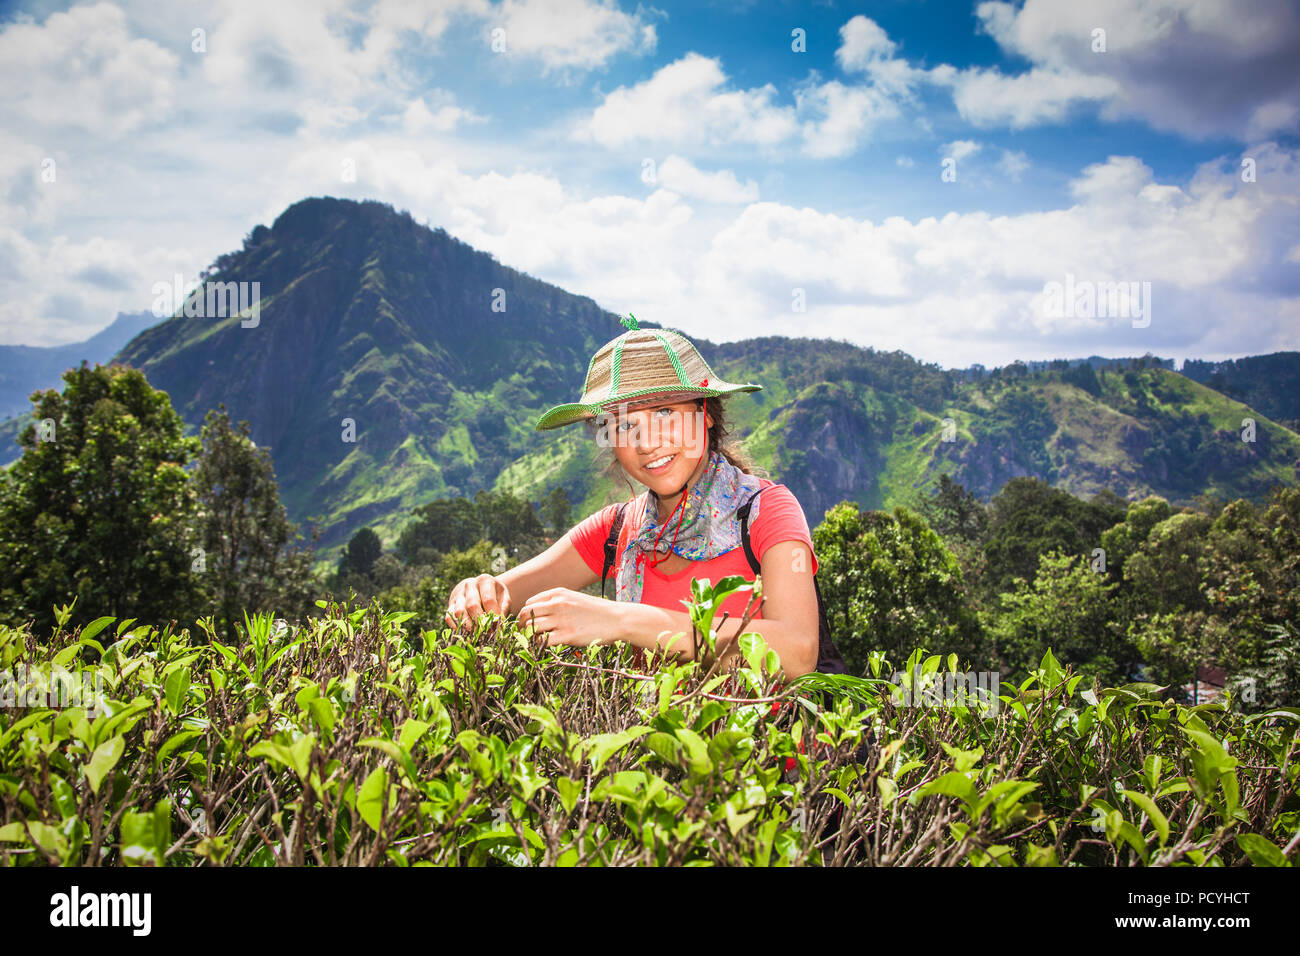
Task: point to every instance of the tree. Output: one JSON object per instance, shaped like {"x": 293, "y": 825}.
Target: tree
{"x": 1275, "y": 681}
{"x": 438, "y": 527}
{"x": 890, "y": 584}
{"x": 99, "y": 507}
{"x": 558, "y": 510}
{"x": 456, "y": 524}
{"x": 364, "y": 549}
{"x": 509, "y": 521}
{"x": 1126, "y": 538}
{"x": 1065, "y": 608}
{"x": 1174, "y": 618}
{"x": 250, "y": 561}
{"x": 1028, "y": 518}
{"x": 962, "y": 520}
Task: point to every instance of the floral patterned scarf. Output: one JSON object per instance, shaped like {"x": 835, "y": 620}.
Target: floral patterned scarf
{"x": 705, "y": 526}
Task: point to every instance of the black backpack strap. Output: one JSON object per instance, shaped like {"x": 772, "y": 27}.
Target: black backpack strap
{"x": 743, "y": 514}
{"x": 829, "y": 659}
{"x": 611, "y": 545}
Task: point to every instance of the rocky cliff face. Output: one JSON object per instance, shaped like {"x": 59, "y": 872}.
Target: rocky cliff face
{"x": 832, "y": 448}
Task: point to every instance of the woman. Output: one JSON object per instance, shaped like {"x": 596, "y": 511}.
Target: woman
{"x": 651, "y": 397}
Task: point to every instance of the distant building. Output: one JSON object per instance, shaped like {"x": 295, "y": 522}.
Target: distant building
{"x": 1207, "y": 686}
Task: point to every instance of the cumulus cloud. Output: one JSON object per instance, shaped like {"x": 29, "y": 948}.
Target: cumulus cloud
{"x": 418, "y": 118}
{"x": 571, "y": 33}
{"x": 291, "y": 102}
{"x": 691, "y": 101}
{"x": 618, "y": 249}
{"x": 1125, "y": 58}
{"x": 866, "y": 48}
{"x": 960, "y": 149}
{"x": 1197, "y": 67}
{"x": 841, "y": 117}
{"x": 969, "y": 287}
{"x": 687, "y": 101}
{"x": 988, "y": 97}
{"x": 67, "y": 289}
{"x": 82, "y": 70}
{"x": 681, "y": 176}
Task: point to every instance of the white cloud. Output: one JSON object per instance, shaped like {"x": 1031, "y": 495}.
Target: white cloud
{"x": 991, "y": 98}
{"x": 1013, "y": 164}
{"x": 81, "y": 69}
{"x": 571, "y": 33}
{"x": 70, "y": 289}
{"x": 268, "y": 122}
{"x": 960, "y": 149}
{"x": 846, "y": 115}
{"x": 863, "y": 45}
{"x": 418, "y": 118}
{"x": 866, "y": 48}
{"x": 1197, "y": 67}
{"x": 961, "y": 288}
{"x": 968, "y": 287}
{"x": 613, "y": 248}
{"x": 681, "y": 176}
{"x": 687, "y": 102}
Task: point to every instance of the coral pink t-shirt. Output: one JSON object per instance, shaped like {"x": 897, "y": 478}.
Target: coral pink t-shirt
{"x": 775, "y": 516}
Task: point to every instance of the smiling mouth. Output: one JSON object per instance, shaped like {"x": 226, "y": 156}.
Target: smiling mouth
{"x": 660, "y": 464}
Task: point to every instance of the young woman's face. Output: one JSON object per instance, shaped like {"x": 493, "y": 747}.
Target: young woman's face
{"x": 661, "y": 446}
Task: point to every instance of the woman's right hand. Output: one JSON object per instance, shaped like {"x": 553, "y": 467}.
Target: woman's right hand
{"x": 474, "y": 596}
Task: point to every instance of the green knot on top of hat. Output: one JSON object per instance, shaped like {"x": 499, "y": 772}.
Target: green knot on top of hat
{"x": 630, "y": 322}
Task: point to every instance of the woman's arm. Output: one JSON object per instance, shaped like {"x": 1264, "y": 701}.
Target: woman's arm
{"x": 559, "y": 566}
{"x": 789, "y": 625}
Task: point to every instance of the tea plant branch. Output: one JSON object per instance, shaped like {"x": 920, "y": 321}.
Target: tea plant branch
{"x": 1283, "y": 790}
{"x": 650, "y": 677}
{"x": 1179, "y": 849}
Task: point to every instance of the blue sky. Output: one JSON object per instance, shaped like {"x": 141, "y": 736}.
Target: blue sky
{"x": 684, "y": 162}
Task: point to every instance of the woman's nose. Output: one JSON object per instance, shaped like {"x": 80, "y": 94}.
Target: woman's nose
{"x": 643, "y": 432}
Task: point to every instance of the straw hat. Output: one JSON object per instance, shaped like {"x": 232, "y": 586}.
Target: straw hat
{"x": 642, "y": 367}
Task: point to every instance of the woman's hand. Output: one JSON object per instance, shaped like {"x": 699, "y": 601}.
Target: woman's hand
{"x": 474, "y": 596}
{"x": 571, "y": 617}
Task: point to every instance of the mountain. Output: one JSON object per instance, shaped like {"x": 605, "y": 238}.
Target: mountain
{"x": 26, "y": 368}
{"x": 877, "y": 428}
{"x": 442, "y": 359}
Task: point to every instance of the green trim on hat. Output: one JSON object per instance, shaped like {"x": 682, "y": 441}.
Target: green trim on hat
{"x": 616, "y": 367}
{"x": 672, "y": 357}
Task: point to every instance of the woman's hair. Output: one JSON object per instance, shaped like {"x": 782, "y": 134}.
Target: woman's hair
{"x": 718, "y": 440}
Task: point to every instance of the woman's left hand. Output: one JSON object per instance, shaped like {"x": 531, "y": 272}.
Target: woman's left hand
{"x": 570, "y": 617}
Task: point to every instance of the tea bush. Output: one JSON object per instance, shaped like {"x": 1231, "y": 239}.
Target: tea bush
{"x": 348, "y": 741}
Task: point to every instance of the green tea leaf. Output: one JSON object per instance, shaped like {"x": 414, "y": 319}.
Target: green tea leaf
{"x": 1158, "y": 819}
{"x": 1262, "y": 852}
{"x": 103, "y": 760}
{"x": 371, "y": 798}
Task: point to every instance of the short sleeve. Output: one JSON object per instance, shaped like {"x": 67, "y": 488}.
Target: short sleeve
{"x": 780, "y": 518}
{"x": 589, "y": 534}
